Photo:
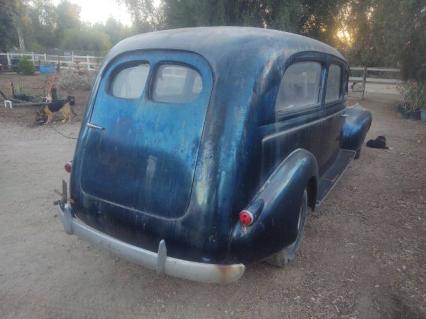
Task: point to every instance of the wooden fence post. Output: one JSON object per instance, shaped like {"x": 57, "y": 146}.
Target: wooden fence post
{"x": 364, "y": 82}
{"x": 9, "y": 62}
{"x": 88, "y": 62}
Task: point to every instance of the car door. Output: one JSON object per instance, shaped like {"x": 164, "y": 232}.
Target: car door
{"x": 144, "y": 132}
{"x": 298, "y": 115}
{"x": 334, "y": 117}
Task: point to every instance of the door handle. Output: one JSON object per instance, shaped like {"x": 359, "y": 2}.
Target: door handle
{"x": 344, "y": 115}
{"x": 96, "y": 127}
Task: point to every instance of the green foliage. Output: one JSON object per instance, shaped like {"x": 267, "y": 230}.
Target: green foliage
{"x": 146, "y": 15}
{"x": 76, "y": 78}
{"x": 85, "y": 39}
{"x": 45, "y": 26}
{"x": 388, "y": 33}
{"x": 8, "y": 36}
{"x": 39, "y": 23}
{"x": 381, "y": 32}
{"x": 26, "y": 66}
{"x": 314, "y": 18}
{"x": 67, "y": 17}
{"x": 412, "y": 40}
{"x": 414, "y": 95}
{"x": 113, "y": 29}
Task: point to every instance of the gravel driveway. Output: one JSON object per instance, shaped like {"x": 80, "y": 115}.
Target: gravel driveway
{"x": 363, "y": 255}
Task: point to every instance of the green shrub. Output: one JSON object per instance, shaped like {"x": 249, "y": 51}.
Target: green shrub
{"x": 26, "y": 66}
{"x": 76, "y": 78}
{"x": 414, "y": 95}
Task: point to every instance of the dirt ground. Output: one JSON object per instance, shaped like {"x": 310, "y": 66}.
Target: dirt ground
{"x": 363, "y": 255}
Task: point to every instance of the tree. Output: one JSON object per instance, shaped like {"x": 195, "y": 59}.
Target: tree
{"x": 67, "y": 17}
{"x": 86, "y": 39}
{"x": 114, "y": 29}
{"x": 8, "y": 34}
{"x": 39, "y": 25}
{"x": 45, "y": 26}
{"x": 146, "y": 15}
{"x": 400, "y": 34}
{"x": 369, "y": 32}
{"x": 314, "y": 18}
{"x": 389, "y": 33}
{"x": 193, "y": 13}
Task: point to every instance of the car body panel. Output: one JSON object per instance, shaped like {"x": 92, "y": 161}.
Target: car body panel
{"x": 243, "y": 149}
{"x": 132, "y": 161}
{"x": 357, "y": 123}
{"x": 275, "y": 221}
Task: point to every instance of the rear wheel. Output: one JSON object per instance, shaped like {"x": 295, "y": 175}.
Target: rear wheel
{"x": 283, "y": 257}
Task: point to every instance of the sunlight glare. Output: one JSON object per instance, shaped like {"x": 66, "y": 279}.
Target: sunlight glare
{"x": 345, "y": 37}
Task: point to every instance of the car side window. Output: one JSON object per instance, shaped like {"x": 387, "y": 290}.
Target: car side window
{"x": 333, "y": 83}
{"x": 299, "y": 88}
{"x": 176, "y": 84}
{"x": 129, "y": 82}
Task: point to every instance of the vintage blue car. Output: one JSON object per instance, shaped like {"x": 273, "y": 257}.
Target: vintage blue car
{"x": 202, "y": 149}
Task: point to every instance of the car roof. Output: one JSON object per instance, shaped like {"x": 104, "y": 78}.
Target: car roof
{"x": 218, "y": 43}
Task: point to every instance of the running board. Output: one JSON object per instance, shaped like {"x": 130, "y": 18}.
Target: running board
{"x": 333, "y": 174}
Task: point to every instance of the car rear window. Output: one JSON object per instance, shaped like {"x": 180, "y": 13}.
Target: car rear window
{"x": 333, "y": 83}
{"x": 299, "y": 87}
{"x": 176, "y": 84}
{"x": 129, "y": 82}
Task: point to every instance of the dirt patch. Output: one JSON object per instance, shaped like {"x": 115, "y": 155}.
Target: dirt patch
{"x": 35, "y": 85}
{"x": 363, "y": 255}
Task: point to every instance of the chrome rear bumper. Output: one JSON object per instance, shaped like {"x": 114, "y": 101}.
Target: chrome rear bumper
{"x": 202, "y": 272}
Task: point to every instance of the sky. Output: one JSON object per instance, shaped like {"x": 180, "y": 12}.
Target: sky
{"x": 94, "y": 11}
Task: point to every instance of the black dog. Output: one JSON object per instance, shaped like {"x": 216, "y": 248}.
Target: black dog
{"x": 379, "y": 142}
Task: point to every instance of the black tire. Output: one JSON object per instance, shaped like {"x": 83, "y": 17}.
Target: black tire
{"x": 283, "y": 257}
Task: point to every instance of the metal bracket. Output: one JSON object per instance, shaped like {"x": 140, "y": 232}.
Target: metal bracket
{"x": 162, "y": 255}
{"x": 64, "y": 192}
{"x": 67, "y": 219}
{"x": 64, "y": 195}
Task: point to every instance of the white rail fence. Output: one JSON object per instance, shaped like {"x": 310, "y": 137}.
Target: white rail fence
{"x": 360, "y": 76}
{"x": 90, "y": 62}
{"x": 373, "y": 75}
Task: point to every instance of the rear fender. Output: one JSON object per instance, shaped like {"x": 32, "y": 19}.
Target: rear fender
{"x": 357, "y": 123}
{"x": 275, "y": 209}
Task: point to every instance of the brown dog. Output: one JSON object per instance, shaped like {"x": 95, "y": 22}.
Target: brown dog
{"x": 45, "y": 115}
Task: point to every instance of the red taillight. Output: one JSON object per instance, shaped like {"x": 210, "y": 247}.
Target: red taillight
{"x": 68, "y": 167}
{"x": 246, "y": 218}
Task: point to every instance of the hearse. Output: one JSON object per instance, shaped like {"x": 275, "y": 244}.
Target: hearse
{"x": 203, "y": 149}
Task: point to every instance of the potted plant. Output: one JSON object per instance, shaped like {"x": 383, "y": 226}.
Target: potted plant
{"x": 26, "y": 66}
{"x": 423, "y": 114}
{"x": 413, "y": 95}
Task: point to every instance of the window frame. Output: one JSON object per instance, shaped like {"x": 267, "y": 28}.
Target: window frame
{"x": 126, "y": 65}
{"x": 341, "y": 84}
{"x": 153, "y": 76}
{"x": 282, "y": 115}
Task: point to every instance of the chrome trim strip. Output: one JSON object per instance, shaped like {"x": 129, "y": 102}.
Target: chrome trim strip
{"x": 296, "y": 128}
{"x": 202, "y": 272}
{"x": 90, "y": 125}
